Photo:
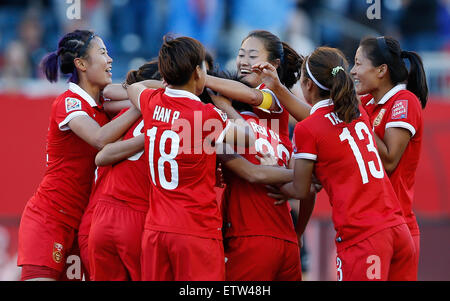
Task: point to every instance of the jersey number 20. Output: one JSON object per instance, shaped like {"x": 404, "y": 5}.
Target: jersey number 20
{"x": 361, "y": 127}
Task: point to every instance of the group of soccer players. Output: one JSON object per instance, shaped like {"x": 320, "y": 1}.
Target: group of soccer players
{"x": 183, "y": 172}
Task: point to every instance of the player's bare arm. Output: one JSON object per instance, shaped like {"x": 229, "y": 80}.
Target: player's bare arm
{"x": 254, "y": 173}
{"x": 391, "y": 148}
{"x": 119, "y": 150}
{"x": 135, "y": 90}
{"x": 90, "y": 131}
{"x": 240, "y": 92}
{"x": 295, "y": 106}
{"x": 224, "y": 104}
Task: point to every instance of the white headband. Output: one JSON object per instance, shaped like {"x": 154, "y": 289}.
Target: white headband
{"x": 314, "y": 79}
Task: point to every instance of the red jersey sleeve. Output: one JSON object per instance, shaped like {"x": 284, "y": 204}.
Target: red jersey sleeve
{"x": 305, "y": 146}
{"x": 215, "y": 123}
{"x": 67, "y": 109}
{"x": 144, "y": 98}
{"x": 405, "y": 113}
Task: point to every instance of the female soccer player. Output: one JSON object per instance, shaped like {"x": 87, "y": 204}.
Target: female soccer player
{"x": 119, "y": 216}
{"x": 78, "y": 129}
{"x": 182, "y": 239}
{"x": 394, "y": 101}
{"x": 253, "y": 222}
{"x": 258, "y": 47}
{"x": 118, "y": 94}
{"x": 336, "y": 143}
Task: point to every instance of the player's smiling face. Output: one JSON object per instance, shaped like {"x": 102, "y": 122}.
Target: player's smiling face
{"x": 99, "y": 63}
{"x": 364, "y": 73}
{"x": 252, "y": 51}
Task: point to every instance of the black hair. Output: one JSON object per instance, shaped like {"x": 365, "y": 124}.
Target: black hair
{"x": 386, "y": 50}
{"x": 71, "y": 46}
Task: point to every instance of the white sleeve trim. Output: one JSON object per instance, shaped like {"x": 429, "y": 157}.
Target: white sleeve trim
{"x": 305, "y": 156}
{"x": 63, "y": 126}
{"x": 401, "y": 124}
{"x": 222, "y": 135}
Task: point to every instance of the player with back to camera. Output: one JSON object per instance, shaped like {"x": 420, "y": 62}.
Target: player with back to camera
{"x": 336, "y": 143}
{"x": 182, "y": 235}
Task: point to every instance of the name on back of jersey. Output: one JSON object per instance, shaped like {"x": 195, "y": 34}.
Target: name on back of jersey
{"x": 333, "y": 118}
{"x": 165, "y": 115}
{"x": 259, "y": 129}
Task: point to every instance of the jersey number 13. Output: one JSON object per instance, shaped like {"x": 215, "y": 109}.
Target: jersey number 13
{"x": 361, "y": 127}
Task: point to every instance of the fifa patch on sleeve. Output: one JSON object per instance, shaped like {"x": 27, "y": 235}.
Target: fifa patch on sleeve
{"x": 222, "y": 114}
{"x": 400, "y": 109}
{"x": 72, "y": 104}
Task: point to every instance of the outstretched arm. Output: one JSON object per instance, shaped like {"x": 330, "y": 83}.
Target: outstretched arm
{"x": 240, "y": 92}
{"x": 135, "y": 90}
{"x": 90, "y": 131}
{"x": 119, "y": 150}
{"x": 295, "y": 106}
{"x": 254, "y": 173}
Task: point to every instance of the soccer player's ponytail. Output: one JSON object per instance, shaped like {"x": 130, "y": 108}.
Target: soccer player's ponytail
{"x": 73, "y": 45}
{"x": 327, "y": 68}
{"x": 290, "y": 67}
{"x": 417, "y": 81}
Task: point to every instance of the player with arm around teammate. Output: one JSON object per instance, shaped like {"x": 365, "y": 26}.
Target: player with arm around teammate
{"x": 336, "y": 143}
{"x": 78, "y": 128}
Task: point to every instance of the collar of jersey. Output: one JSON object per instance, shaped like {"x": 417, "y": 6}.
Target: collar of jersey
{"x": 181, "y": 93}
{"x": 321, "y": 104}
{"x": 388, "y": 95}
{"x": 78, "y": 90}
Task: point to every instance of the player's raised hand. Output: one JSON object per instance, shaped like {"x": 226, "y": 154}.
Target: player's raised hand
{"x": 269, "y": 74}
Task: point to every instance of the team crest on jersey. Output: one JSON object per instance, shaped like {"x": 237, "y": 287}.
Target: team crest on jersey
{"x": 223, "y": 115}
{"x": 57, "y": 252}
{"x": 400, "y": 109}
{"x": 72, "y": 104}
{"x": 379, "y": 117}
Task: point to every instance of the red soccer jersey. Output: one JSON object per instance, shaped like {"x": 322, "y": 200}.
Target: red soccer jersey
{"x": 97, "y": 192}
{"x": 402, "y": 109}
{"x": 128, "y": 179}
{"x": 182, "y": 170}
{"x": 277, "y": 120}
{"x": 249, "y": 210}
{"x": 65, "y": 188}
{"x": 349, "y": 167}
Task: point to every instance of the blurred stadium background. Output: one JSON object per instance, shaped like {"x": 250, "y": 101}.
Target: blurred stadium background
{"x": 133, "y": 30}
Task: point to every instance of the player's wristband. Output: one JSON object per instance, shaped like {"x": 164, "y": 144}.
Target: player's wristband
{"x": 267, "y": 101}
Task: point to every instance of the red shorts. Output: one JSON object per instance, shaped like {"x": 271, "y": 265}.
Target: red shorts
{"x": 386, "y": 255}
{"x": 115, "y": 242}
{"x": 84, "y": 255}
{"x": 178, "y": 257}
{"x": 47, "y": 247}
{"x": 262, "y": 258}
